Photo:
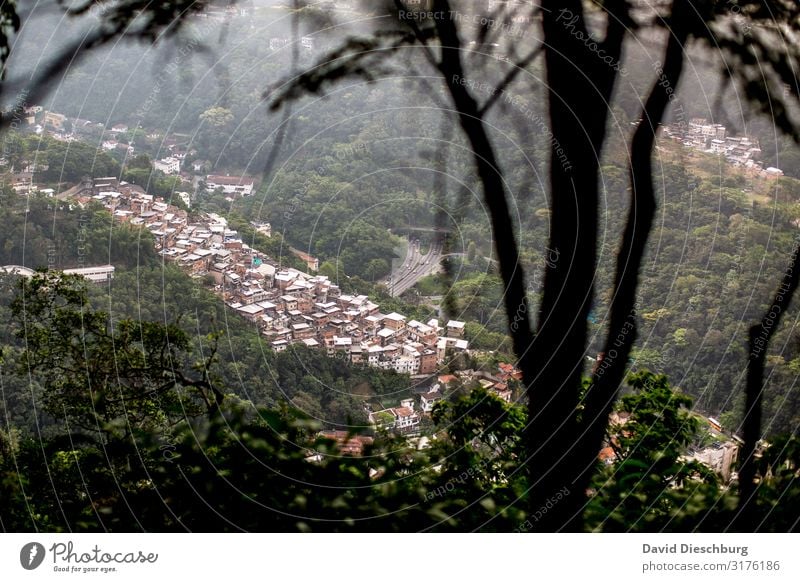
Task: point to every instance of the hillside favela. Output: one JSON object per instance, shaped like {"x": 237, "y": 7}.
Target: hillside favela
{"x": 419, "y": 265}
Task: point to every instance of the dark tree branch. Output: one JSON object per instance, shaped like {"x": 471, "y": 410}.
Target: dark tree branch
{"x": 357, "y": 58}
{"x": 135, "y": 19}
{"x": 517, "y": 68}
{"x": 420, "y": 36}
{"x": 491, "y": 178}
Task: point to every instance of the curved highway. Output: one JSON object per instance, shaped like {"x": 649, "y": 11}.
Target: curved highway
{"x": 414, "y": 267}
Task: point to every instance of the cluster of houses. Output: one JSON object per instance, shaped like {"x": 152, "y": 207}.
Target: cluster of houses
{"x": 293, "y": 307}
{"x": 62, "y": 128}
{"x": 40, "y": 121}
{"x": 741, "y": 151}
{"x": 117, "y": 139}
{"x": 175, "y": 164}
{"x": 405, "y": 418}
{"x": 290, "y": 306}
{"x": 287, "y": 305}
{"x": 23, "y": 182}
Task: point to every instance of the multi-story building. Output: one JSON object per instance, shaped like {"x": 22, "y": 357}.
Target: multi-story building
{"x": 232, "y": 185}
{"x": 169, "y": 165}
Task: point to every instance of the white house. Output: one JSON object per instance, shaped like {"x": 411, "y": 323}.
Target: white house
{"x": 100, "y": 274}
{"x": 187, "y": 199}
{"x": 280, "y": 345}
{"x": 426, "y": 401}
{"x": 374, "y": 355}
{"x": 405, "y": 365}
{"x": 241, "y": 185}
{"x": 401, "y": 419}
{"x": 405, "y": 419}
{"x": 168, "y": 165}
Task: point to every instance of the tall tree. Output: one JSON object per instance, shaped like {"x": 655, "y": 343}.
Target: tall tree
{"x": 565, "y": 432}
{"x": 759, "y": 337}
{"x": 579, "y": 85}
{"x": 609, "y": 374}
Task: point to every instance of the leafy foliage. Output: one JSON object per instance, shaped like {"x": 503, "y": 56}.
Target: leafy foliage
{"x": 97, "y": 372}
{"x": 649, "y": 486}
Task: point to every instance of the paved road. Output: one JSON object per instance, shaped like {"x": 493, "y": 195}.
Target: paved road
{"x": 414, "y": 267}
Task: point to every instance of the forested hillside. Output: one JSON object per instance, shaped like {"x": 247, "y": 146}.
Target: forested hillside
{"x": 364, "y": 162}
{"x": 575, "y": 217}
{"x": 720, "y": 242}
{"x": 44, "y": 233}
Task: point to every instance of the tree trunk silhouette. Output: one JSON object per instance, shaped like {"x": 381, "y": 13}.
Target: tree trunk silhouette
{"x": 580, "y": 85}
{"x": 759, "y": 338}
{"x": 622, "y": 331}
{"x": 491, "y": 177}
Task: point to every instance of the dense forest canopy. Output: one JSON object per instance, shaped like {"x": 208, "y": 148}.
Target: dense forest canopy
{"x": 351, "y": 164}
